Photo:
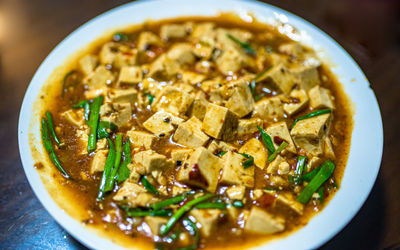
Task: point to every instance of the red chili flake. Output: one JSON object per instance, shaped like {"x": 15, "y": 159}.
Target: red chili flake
{"x": 278, "y": 140}
{"x": 266, "y": 200}
{"x": 128, "y": 53}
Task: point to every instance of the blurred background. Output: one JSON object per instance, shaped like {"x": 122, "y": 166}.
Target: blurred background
{"x": 368, "y": 29}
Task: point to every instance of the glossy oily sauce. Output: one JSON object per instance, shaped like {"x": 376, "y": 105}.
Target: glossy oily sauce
{"x": 197, "y": 133}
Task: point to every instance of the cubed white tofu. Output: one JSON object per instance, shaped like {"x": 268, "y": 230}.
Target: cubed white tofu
{"x": 130, "y": 75}
{"x": 155, "y": 222}
{"x": 218, "y": 146}
{"x": 241, "y": 101}
{"x": 162, "y": 123}
{"x": 189, "y": 133}
{"x": 308, "y": 133}
{"x": 278, "y": 166}
{"x": 261, "y": 222}
{"x": 125, "y": 58}
{"x": 122, "y": 95}
{"x": 147, "y": 38}
{"x": 208, "y": 219}
{"x": 203, "y": 50}
{"x": 88, "y": 63}
{"x": 236, "y": 192}
{"x": 281, "y": 131}
{"x": 152, "y": 161}
{"x": 117, "y": 113}
{"x": 107, "y": 53}
{"x": 233, "y": 172}
{"x": 320, "y": 98}
{"x": 231, "y": 60}
{"x": 192, "y": 77}
{"x": 269, "y": 109}
{"x": 299, "y": 100}
{"x": 291, "y": 49}
{"x": 281, "y": 78}
{"x": 141, "y": 139}
{"x": 328, "y": 148}
{"x": 248, "y": 126}
{"x": 169, "y": 31}
{"x": 289, "y": 201}
{"x": 99, "y": 160}
{"x": 198, "y": 108}
{"x": 177, "y": 190}
{"x": 201, "y": 170}
{"x": 74, "y": 116}
{"x": 100, "y": 78}
{"x": 256, "y": 149}
{"x": 306, "y": 77}
{"x": 220, "y": 123}
{"x": 164, "y": 66}
{"x": 173, "y": 100}
{"x": 204, "y": 32}
{"x": 182, "y": 53}
{"x": 134, "y": 195}
{"x": 181, "y": 154}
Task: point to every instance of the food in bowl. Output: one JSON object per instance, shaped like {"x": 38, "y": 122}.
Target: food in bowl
{"x": 198, "y": 132}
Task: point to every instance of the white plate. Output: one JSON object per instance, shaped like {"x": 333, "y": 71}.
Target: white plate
{"x": 367, "y": 138}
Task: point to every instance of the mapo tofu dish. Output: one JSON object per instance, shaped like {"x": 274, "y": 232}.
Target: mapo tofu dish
{"x": 198, "y": 133}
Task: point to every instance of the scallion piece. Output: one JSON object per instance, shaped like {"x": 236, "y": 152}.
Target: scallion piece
{"x": 142, "y": 213}
{"x": 220, "y": 154}
{"x": 51, "y": 126}
{"x": 191, "y": 227}
{"x": 238, "y": 204}
{"x": 120, "y": 37}
{"x": 150, "y": 98}
{"x": 181, "y": 211}
{"x": 84, "y": 104}
{"x": 171, "y": 201}
{"x": 49, "y": 147}
{"x": 323, "y": 174}
{"x": 312, "y": 114}
{"x": 307, "y": 177}
{"x": 267, "y": 140}
{"x": 320, "y": 192}
{"x": 103, "y": 127}
{"x": 93, "y": 123}
{"x": 281, "y": 147}
{"x": 148, "y": 186}
{"x": 298, "y": 172}
{"x": 249, "y": 161}
{"x": 107, "y": 171}
{"x": 244, "y": 45}
{"x": 118, "y": 151}
{"x": 217, "y": 205}
{"x": 66, "y": 81}
{"x": 123, "y": 171}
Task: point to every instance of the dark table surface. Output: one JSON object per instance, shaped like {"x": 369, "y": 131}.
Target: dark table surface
{"x": 368, "y": 29}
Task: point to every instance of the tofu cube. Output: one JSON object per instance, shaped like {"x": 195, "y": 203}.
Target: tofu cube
{"x": 233, "y": 172}
{"x": 201, "y": 170}
{"x": 231, "y": 60}
{"x": 328, "y": 148}
{"x": 248, "y": 126}
{"x": 256, "y": 149}
{"x": 164, "y": 67}
{"x": 208, "y": 219}
{"x": 155, "y": 222}
{"x": 117, "y": 113}
{"x": 181, "y": 154}
{"x": 100, "y": 78}
{"x": 87, "y": 64}
{"x": 198, "y": 108}
{"x": 74, "y": 116}
{"x": 173, "y": 100}
{"x": 130, "y": 75}
{"x": 162, "y": 123}
{"x": 269, "y": 109}
{"x": 236, "y": 192}
{"x": 320, "y": 98}
{"x": 169, "y": 31}
{"x": 299, "y": 102}
{"x": 280, "y": 130}
{"x": 192, "y": 77}
{"x": 182, "y": 53}
{"x": 141, "y": 139}
{"x": 122, "y": 95}
{"x": 220, "y": 123}
{"x": 241, "y": 102}
{"x": 281, "y": 78}
{"x": 152, "y": 161}
{"x": 189, "y": 133}
{"x": 308, "y": 133}
{"x": 278, "y": 166}
{"x": 261, "y": 222}
{"x": 147, "y": 38}
{"x": 287, "y": 199}
{"x": 99, "y": 160}
{"x": 107, "y": 53}
{"x": 134, "y": 195}
{"x": 306, "y": 77}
